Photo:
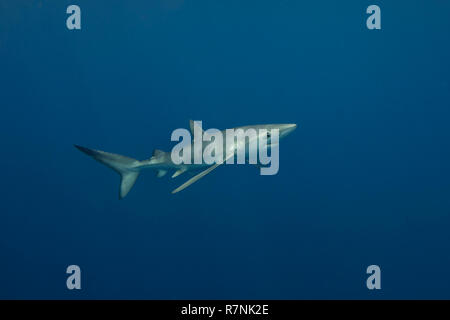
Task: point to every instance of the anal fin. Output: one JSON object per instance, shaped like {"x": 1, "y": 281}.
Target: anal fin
{"x": 161, "y": 173}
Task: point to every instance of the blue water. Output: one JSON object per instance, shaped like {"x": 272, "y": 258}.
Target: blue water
{"x": 363, "y": 180}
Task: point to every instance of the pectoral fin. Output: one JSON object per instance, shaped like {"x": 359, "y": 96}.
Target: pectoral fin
{"x": 195, "y": 178}
{"x": 200, "y": 175}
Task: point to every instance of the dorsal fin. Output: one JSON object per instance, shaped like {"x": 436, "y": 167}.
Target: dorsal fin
{"x": 157, "y": 153}
{"x": 192, "y": 124}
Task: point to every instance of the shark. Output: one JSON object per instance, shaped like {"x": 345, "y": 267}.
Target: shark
{"x": 129, "y": 169}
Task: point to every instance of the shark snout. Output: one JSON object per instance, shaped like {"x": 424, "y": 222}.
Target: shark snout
{"x": 288, "y": 128}
{"x": 292, "y": 126}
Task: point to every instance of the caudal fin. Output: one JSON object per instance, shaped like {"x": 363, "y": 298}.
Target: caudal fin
{"x": 125, "y": 166}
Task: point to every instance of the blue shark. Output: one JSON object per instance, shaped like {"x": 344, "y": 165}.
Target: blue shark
{"x": 160, "y": 161}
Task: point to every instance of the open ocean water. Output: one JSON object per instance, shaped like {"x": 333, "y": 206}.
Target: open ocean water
{"x": 365, "y": 178}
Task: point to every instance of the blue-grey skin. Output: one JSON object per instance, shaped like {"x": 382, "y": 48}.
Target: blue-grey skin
{"x": 161, "y": 161}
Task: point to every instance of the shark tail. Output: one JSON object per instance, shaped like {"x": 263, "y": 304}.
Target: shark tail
{"x": 128, "y": 168}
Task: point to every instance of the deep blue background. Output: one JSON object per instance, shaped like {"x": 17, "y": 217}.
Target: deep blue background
{"x": 364, "y": 180}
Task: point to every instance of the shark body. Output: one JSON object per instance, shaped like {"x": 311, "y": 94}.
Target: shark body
{"x": 129, "y": 168}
